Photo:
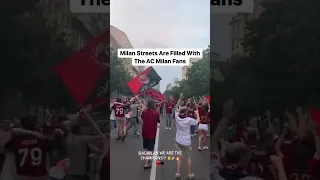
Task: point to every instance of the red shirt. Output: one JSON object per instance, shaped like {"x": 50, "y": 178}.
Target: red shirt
{"x": 191, "y": 114}
{"x": 205, "y": 119}
{"x": 30, "y": 155}
{"x": 119, "y": 110}
{"x": 185, "y": 102}
{"x": 151, "y": 118}
{"x": 200, "y": 110}
{"x": 169, "y": 107}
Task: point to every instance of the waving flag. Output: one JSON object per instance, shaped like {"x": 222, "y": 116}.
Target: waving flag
{"x": 154, "y": 94}
{"x": 144, "y": 80}
{"x": 85, "y": 73}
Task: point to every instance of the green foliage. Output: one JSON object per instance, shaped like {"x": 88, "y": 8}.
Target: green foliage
{"x": 30, "y": 48}
{"x": 198, "y": 79}
{"x": 119, "y": 76}
{"x": 174, "y": 92}
{"x": 282, "y": 69}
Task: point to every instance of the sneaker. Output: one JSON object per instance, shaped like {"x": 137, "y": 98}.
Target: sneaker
{"x": 135, "y": 135}
{"x": 167, "y": 128}
{"x": 190, "y": 176}
{"x": 177, "y": 176}
{"x": 123, "y": 138}
{"x": 199, "y": 149}
{"x": 205, "y": 147}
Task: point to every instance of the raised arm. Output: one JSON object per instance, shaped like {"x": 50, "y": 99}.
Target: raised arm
{"x": 178, "y": 103}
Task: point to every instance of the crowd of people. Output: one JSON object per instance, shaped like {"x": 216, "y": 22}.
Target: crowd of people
{"x": 189, "y": 116}
{"x": 54, "y": 146}
{"x": 267, "y": 147}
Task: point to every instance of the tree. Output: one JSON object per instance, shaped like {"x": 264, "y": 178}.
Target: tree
{"x": 31, "y": 47}
{"x": 284, "y": 39}
{"x": 119, "y": 76}
{"x": 198, "y": 77}
{"x": 282, "y": 68}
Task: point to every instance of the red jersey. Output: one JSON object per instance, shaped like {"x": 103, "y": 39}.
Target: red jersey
{"x": 191, "y": 114}
{"x": 119, "y": 110}
{"x": 169, "y": 107}
{"x": 151, "y": 118}
{"x": 30, "y": 155}
{"x": 200, "y": 110}
{"x": 185, "y": 102}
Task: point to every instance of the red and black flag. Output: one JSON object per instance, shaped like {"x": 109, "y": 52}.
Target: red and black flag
{"x": 85, "y": 72}
{"x": 144, "y": 80}
{"x": 153, "y": 94}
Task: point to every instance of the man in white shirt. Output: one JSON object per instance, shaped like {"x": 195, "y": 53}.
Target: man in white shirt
{"x": 183, "y": 139}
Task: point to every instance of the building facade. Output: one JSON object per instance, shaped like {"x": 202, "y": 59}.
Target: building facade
{"x": 119, "y": 39}
{"x": 238, "y": 28}
{"x": 184, "y": 72}
{"x": 76, "y": 33}
{"x": 185, "y": 68}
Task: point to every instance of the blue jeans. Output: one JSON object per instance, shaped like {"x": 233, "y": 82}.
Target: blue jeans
{"x": 193, "y": 129}
{"x": 112, "y": 124}
{"x": 168, "y": 120}
{"x": 133, "y": 123}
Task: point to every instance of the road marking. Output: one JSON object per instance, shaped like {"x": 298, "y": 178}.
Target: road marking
{"x": 153, "y": 172}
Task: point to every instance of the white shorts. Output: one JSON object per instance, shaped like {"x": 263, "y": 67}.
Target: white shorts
{"x": 203, "y": 127}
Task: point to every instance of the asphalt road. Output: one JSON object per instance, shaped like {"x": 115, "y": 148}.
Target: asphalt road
{"x": 126, "y": 163}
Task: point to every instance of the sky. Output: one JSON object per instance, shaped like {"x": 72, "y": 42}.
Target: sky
{"x": 164, "y": 24}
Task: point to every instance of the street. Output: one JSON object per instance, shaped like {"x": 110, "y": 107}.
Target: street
{"x": 126, "y": 164}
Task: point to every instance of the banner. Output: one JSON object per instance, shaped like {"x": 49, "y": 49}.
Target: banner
{"x": 144, "y": 80}
{"x": 154, "y": 94}
{"x": 85, "y": 73}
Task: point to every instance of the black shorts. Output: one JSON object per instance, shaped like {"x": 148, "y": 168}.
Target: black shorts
{"x": 148, "y": 144}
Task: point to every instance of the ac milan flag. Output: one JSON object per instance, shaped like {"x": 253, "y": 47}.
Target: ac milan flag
{"x": 144, "y": 80}
{"x": 85, "y": 72}
{"x": 154, "y": 94}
